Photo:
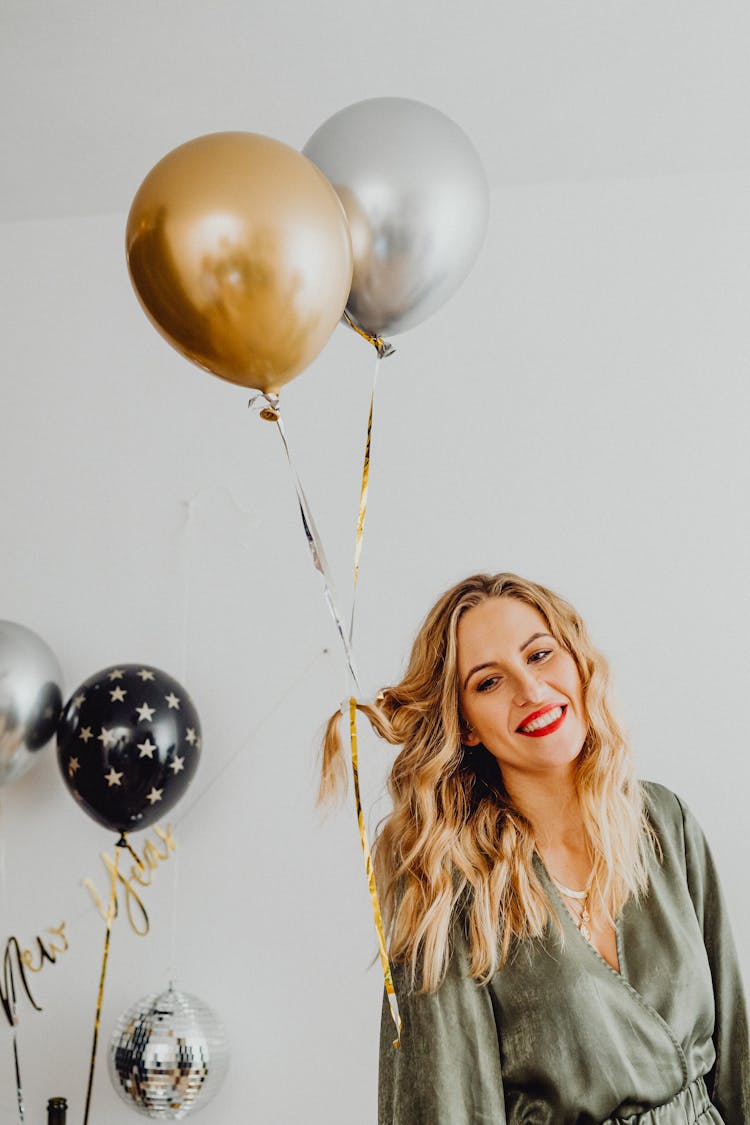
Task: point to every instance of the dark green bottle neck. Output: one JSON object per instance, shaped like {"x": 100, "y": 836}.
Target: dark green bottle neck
{"x": 57, "y": 1111}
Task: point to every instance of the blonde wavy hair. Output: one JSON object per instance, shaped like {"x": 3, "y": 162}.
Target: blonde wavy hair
{"x": 454, "y": 842}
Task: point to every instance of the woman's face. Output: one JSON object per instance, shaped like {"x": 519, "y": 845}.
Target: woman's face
{"x": 519, "y": 690}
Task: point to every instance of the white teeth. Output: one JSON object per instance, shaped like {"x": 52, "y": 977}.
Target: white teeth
{"x": 543, "y": 720}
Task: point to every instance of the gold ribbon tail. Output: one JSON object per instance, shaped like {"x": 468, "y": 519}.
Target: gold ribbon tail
{"x": 363, "y": 490}
{"x": 121, "y": 843}
{"x": 374, "y": 899}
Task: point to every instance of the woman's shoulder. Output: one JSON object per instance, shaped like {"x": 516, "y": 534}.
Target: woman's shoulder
{"x": 659, "y": 796}
{"x": 665, "y": 809}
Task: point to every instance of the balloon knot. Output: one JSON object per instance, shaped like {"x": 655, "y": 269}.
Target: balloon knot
{"x": 381, "y": 346}
{"x": 270, "y": 412}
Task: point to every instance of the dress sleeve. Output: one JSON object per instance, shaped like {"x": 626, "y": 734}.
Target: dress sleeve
{"x": 729, "y": 1081}
{"x": 447, "y": 1069}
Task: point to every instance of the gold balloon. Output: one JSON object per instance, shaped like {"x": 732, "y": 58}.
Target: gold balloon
{"x": 240, "y": 253}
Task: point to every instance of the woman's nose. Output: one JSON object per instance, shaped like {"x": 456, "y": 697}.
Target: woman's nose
{"x": 528, "y": 687}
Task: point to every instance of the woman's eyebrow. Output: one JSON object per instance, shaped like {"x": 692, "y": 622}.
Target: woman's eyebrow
{"x": 491, "y": 663}
{"x": 478, "y": 668}
{"x": 535, "y": 637}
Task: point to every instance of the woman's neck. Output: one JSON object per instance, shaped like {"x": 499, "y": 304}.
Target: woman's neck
{"x": 552, "y": 807}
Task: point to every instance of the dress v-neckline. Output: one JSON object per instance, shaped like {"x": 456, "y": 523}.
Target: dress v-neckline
{"x": 619, "y": 970}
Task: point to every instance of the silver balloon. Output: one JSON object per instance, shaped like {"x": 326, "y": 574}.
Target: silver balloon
{"x": 417, "y": 200}
{"x": 30, "y": 698}
{"x": 168, "y": 1055}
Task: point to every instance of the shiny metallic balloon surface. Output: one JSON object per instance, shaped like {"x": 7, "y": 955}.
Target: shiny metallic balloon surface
{"x": 168, "y": 1055}
{"x": 30, "y": 698}
{"x": 417, "y": 201}
{"x": 239, "y": 252}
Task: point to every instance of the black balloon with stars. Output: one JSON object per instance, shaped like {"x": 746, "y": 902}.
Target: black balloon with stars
{"x": 128, "y": 744}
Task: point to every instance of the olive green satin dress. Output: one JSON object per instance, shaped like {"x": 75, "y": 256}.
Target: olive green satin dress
{"x": 559, "y": 1037}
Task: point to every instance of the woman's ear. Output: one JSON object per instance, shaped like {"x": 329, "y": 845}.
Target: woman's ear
{"x": 469, "y": 736}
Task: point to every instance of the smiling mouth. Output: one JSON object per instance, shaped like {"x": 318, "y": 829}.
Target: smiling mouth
{"x": 545, "y": 724}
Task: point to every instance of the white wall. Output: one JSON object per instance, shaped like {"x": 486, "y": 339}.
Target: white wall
{"x": 577, "y": 413}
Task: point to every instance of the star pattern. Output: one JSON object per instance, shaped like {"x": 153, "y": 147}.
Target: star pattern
{"x": 146, "y": 749}
{"x": 127, "y": 761}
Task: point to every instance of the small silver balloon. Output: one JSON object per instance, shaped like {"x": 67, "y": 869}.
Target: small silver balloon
{"x": 30, "y": 698}
{"x": 168, "y": 1055}
{"x": 417, "y": 201}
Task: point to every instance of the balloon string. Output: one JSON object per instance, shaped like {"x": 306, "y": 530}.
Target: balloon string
{"x": 16, "y": 1063}
{"x": 382, "y": 346}
{"x": 363, "y": 500}
{"x": 187, "y": 548}
{"x": 124, "y": 842}
{"x": 382, "y": 351}
{"x": 374, "y": 898}
{"x": 11, "y": 979}
{"x": 19, "y": 1086}
{"x": 271, "y": 413}
{"x": 3, "y": 883}
{"x": 121, "y": 843}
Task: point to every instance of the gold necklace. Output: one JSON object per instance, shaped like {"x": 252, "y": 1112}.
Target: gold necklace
{"x": 584, "y": 918}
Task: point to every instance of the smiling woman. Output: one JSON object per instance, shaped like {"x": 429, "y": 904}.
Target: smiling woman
{"x": 562, "y": 952}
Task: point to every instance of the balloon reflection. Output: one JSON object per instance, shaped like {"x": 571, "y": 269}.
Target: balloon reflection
{"x": 30, "y": 698}
{"x": 240, "y": 254}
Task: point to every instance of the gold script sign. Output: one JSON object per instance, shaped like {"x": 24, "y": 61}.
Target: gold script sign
{"x": 17, "y": 961}
{"x": 141, "y": 875}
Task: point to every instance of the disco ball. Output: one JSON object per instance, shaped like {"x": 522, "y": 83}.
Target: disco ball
{"x": 168, "y": 1055}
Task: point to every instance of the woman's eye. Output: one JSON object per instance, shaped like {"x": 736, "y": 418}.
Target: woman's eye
{"x": 488, "y": 684}
{"x": 538, "y": 657}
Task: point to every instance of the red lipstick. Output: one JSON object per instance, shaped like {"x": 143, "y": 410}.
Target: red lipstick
{"x": 543, "y": 730}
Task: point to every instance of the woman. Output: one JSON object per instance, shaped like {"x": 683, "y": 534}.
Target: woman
{"x": 560, "y": 946}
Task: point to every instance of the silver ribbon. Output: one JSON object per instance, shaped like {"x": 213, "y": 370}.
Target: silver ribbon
{"x": 271, "y": 413}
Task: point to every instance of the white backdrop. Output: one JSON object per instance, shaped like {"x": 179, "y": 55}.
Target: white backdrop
{"x": 576, "y": 413}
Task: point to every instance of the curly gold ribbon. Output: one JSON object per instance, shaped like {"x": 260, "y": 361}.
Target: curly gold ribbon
{"x": 374, "y": 899}
{"x": 121, "y": 843}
